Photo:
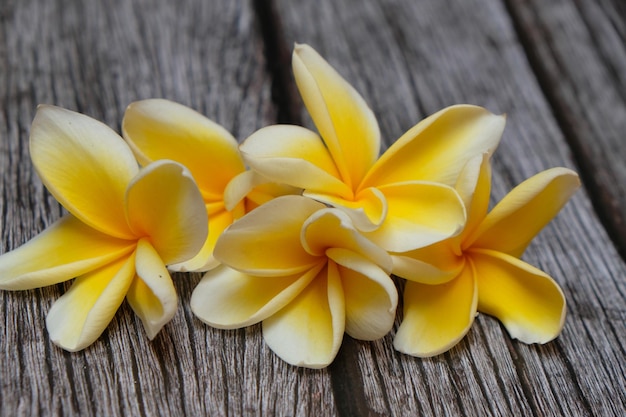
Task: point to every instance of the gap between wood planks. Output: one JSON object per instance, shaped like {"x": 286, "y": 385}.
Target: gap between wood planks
{"x": 575, "y": 130}
{"x": 345, "y": 375}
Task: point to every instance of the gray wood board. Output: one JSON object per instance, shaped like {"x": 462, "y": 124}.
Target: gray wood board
{"x": 578, "y": 52}
{"x": 97, "y": 57}
{"x": 409, "y": 59}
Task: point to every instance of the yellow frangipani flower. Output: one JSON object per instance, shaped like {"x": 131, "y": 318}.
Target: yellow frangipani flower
{"x": 306, "y": 273}
{"x": 404, "y": 199}
{"x": 160, "y": 129}
{"x": 124, "y": 225}
{"x": 480, "y": 269}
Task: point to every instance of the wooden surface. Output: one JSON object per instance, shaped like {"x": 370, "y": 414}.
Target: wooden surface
{"x": 558, "y": 69}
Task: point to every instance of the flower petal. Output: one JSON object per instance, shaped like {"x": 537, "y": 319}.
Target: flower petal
{"x": 263, "y": 193}
{"x": 256, "y": 189}
{"x": 266, "y": 241}
{"x": 204, "y": 260}
{"x": 295, "y": 156}
{"x": 163, "y": 203}
{"x": 331, "y": 229}
{"x": 229, "y": 299}
{"x": 370, "y": 294}
{"x": 85, "y": 165}
{"x": 161, "y": 129}
{"x": 309, "y": 330}
{"x": 367, "y": 210}
{"x": 437, "y": 317}
{"x": 80, "y": 316}
{"x": 151, "y": 294}
{"x": 437, "y": 148}
{"x": 522, "y": 213}
{"x": 527, "y": 301}
{"x": 64, "y": 250}
{"x": 240, "y": 186}
{"x": 474, "y": 188}
{"x": 434, "y": 264}
{"x": 342, "y": 117}
{"x": 418, "y": 214}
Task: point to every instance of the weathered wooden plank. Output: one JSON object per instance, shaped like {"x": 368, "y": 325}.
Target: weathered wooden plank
{"x": 409, "y": 59}
{"x": 578, "y": 51}
{"x": 97, "y": 57}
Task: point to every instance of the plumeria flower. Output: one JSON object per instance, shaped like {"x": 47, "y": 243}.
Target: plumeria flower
{"x": 124, "y": 225}
{"x": 480, "y": 269}
{"x": 306, "y": 273}
{"x": 160, "y": 129}
{"x": 404, "y": 199}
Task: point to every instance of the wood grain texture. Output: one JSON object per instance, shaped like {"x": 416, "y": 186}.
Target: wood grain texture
{"x": 578, "y": 51}
{"x": 96, "y": 57}
{"x": 409, "y": 59}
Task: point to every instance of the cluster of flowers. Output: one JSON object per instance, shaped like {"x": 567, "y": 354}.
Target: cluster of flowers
{"x": 305, "y": 240}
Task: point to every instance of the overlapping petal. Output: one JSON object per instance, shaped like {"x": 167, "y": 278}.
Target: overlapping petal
{"x": 266, "y": 241}
{"x": 438, "y": 147}
{"x": 522, "y": 213}
{"x": 434, "y": 264}
{"x": 296, "y": 156}
{"x": 163, "y": 202}
{"x": 436, "y": 317}
{"x": 267, "y": 191}
{"x": 228, "y": 299}
{"x": 64, "y": 250}
{"x": 526, "y": 300}
{"x": 85, "y": 165}
{"x": 239, "y": 187}
{"x": 370, "y": 295}
{"x": 418, "y": 214}
{"x": 342, "y": 117}
{"x": 204, "y": 259}
{"x": 329, "y": 230}
{"x": 80, "y": 316}
{"x": 309, "y": 330}
{"x": 161, "y": 129}
{"x": 151, "y": 294}
{"x": 368, "y": 209}
{"x": 474, "y": 188}
{"x": 250, "y": 189}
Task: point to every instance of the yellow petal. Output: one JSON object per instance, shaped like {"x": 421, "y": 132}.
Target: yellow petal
{"x": 240, "y": 186}
{"x": 527, "y": 301}
{"x": 266, "y": 241}
{"x": 85, "y": 165}
{"x": 309, "y": 330}
{"x": 331, "y": 229}
{"x": 263, "y": 193}
{"x": 434, "y": 264}
{"x": 205, "y": 260}
{"x": 370, "y": 294}
{"x": 521, "y": 214}
{"x": 80, "y": 316}
{"x": 342, "y": 117}
{"x": 161, "y": 129}
{"x": 151, "y": 294}
{"x": 64, "y": 250}
{"x": 436, "y": 317}
{"x": 164, "y": 204}
{"x": 367, "y": 210}
{"x": 295, "y": 156}
{"x": 256, "y": 189}
{"x": 437, "y": 148}
{"x": 418, "y": 214}
{"x": 229, "y": 299}
{"x": 474, "y": 188}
